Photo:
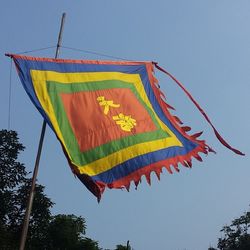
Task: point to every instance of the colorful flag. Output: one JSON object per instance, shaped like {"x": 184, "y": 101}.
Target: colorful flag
{"x": 110, "y": 118}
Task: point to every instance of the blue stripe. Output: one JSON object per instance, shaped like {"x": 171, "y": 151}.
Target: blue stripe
{"x": 141, "y": 161}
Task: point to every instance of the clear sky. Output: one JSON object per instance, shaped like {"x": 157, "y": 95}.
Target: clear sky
{"x": 206, "y": 45}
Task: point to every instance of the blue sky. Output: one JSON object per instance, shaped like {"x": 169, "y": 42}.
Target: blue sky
{"x": 205, "y": 44}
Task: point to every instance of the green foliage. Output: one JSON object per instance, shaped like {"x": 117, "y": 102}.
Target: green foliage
{"x": 12, "y": 172}
{"x": 121, "y": 247}
{"x": 12, "y": 175}
{"x": 14, "y": 190}
{"x": 40, "y": 215}
{"x": 66, "y": 231}
{"x": 89, "y": 244}
{"x": 236, "y": 236}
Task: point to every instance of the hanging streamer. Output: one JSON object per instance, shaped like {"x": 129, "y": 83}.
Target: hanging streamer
{"x": 219, "y": 137}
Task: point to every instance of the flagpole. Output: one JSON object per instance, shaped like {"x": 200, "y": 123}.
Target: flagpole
{"x": 35, "y": 172}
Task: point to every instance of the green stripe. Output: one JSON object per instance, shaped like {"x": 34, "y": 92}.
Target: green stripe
{"x": 82, "y": 158}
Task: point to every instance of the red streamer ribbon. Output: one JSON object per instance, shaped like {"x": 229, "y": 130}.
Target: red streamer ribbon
{"x": 219, "y": 137}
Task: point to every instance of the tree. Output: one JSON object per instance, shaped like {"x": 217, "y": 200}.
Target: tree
{"x": 12, "y": 175}
{"x": 12, "y": 172}
{"x": 121, "y": 247}
{"x": 236, "y": 236}
{"x": 14, "y": 190}
{"x": 40, "y": 217}
{"x": 89, "y": 244}
{"x": 66, "y": 231}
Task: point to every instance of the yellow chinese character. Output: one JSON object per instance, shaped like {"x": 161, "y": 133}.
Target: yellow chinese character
{"x": 106, "y": 104}
{"x": 125, "y": 121}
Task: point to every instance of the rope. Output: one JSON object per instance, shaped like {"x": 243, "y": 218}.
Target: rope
{"x": 34, "y": 50}
{"x": 10, "y": 85}
{"x": 96, "y": 53}
{"x": 76, "y": 49}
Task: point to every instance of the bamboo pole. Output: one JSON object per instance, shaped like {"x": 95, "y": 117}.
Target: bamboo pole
{"x": 39, "y": 151}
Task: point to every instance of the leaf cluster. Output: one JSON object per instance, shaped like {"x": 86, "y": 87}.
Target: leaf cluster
{"x": 236, "y": 236}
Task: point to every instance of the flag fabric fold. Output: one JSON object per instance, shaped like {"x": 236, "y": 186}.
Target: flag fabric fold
{"x": 111, "y": 119}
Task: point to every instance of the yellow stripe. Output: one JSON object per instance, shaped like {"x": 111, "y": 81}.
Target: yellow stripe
{"x": 39, "y": 79}
{"x": 125, "y": 154}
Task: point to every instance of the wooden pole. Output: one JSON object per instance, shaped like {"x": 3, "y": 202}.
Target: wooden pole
{"x": 35, "y": 172}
